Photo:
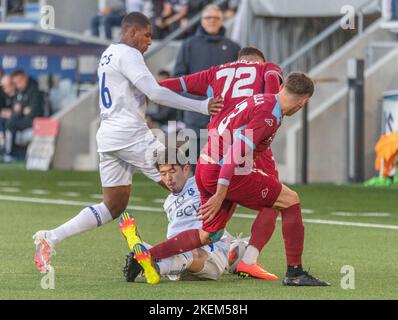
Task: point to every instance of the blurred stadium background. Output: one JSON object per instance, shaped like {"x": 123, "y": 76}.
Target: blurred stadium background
{"x": 351, "y": 52}
{"x": 296, "y": 36}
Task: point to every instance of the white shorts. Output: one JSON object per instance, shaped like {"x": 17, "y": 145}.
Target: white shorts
{"x": 118, "y": 167}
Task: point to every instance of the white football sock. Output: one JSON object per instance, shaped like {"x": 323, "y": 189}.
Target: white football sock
{"x": 251, "y": 254}
{"x": 175, "y": 264}
{"x": 89, "y": 218}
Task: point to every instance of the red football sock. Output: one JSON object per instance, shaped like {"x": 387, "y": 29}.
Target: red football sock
{"x": 263, "y": 228}
{"x": 182, "y": 242}
{"x": 293, "y": 234}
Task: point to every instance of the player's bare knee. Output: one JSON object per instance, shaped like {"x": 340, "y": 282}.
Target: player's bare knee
{"x": 210, "y": 237}
{"x": 286, "y": 199}
{"x": 116, "y": 208}
{"x": 204, "y": 237}
{"x": 199, "y": 255}
{"x": 294, "y": 198}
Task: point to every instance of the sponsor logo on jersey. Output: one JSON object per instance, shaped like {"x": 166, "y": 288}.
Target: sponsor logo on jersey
{"x": 264, "y": 193}
{"x": 270, "y": 122}
{"x": 188, "y": 211}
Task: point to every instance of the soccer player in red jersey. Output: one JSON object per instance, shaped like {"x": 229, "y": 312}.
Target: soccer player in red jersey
{"x": 224, "y": 182}
{"x": 236, "y": 81}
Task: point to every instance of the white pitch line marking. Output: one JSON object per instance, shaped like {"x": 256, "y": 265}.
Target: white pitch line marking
{"x": 100, "y": 197}
{"x": 352, "y": 224}
{"x": 141, "y": 184}
{"x": 150, "y": 209}
{"x": 360, "y": 214}
{"x": 39, "y": 191}
{"x": 97, "y": 196}
{"x": 71, "y": 194}
{"x": 69, "y": 202}
{"x": 9, "y": 189}
{"x": 10, "y": 183}
{"x": 74, "y": 184}
{"x": 136, "y": 199}
{"x": 330, "y": 222}
{"x": 161, "y": 201}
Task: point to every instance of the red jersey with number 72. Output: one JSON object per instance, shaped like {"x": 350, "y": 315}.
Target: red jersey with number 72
{"x": 249, "y": 129}
{"x": 233, "y": 81}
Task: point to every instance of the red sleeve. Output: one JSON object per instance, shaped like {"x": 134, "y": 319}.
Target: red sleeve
{"x": 197, "y": 83}
{"x": 174, "y": 84}
{"x": 245, "y": 142}
{"x": 273, "y": 78}
{"x": 272, "y": 83}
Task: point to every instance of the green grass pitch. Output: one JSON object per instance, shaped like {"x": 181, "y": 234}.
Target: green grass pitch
{"x": 89, "y": 266}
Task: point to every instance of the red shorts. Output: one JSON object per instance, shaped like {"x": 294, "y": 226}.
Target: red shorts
{"x": 255, "y": 190}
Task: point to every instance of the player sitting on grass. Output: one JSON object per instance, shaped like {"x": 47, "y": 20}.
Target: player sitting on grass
{"x": 205, "y": 263}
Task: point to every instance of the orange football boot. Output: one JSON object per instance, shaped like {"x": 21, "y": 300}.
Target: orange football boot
{"x": 255, "y": 271}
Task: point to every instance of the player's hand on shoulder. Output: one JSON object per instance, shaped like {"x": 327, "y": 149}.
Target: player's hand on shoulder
{"x": 215, "y": 105}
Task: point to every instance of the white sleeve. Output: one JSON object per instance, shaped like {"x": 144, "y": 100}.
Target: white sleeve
{"x": 148, "y": 85}
{"x": 132, "y": 65}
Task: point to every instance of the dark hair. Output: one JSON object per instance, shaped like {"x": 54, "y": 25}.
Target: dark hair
{"x": 299, "y": 83}
{"x": 18, "y": 72}
{"x": 164, "y": 73}
{"x": 171, "y": 156}
{"x": 251, "y": 51}
{"x": 134, "y": 18}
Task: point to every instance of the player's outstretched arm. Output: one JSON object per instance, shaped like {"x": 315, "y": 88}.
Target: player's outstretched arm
{"x": 196, "y": 83}
{"x": 163, "y": 96}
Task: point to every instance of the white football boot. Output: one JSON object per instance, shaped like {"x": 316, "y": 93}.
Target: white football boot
{"x": 43, "y": 252}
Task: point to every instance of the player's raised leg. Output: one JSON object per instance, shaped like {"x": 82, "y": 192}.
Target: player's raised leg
{"x": 92, "y": 217}
{"x": 128, "y": 228}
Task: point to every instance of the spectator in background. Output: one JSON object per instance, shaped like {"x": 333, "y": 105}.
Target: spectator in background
{"x": 172, "y": 17}
{"x": 15, "y": 6}
{"x": 157, "y": 9}
{"x": 112, "y": 14}
{"x": 208, "y": 47}
{"x": 7, "y": 99}
{"x": 195, "y": 6}
{"x": 2, "y": 94}
{"x": 230, "y": 8}
{"x": 134, "y": 5}
{"x": 27, "y": 106}
{"x": 159, "y": 116}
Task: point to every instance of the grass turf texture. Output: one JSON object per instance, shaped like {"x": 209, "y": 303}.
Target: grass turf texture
{"x": 89, "y": 266}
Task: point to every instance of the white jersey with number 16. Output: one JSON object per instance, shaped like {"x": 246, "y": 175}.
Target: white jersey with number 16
{"x": 122, "y": 104}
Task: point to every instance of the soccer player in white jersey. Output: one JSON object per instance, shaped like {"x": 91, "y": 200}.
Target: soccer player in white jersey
{"x": 205, "y": 263}
{"x": 125, "y": 143}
